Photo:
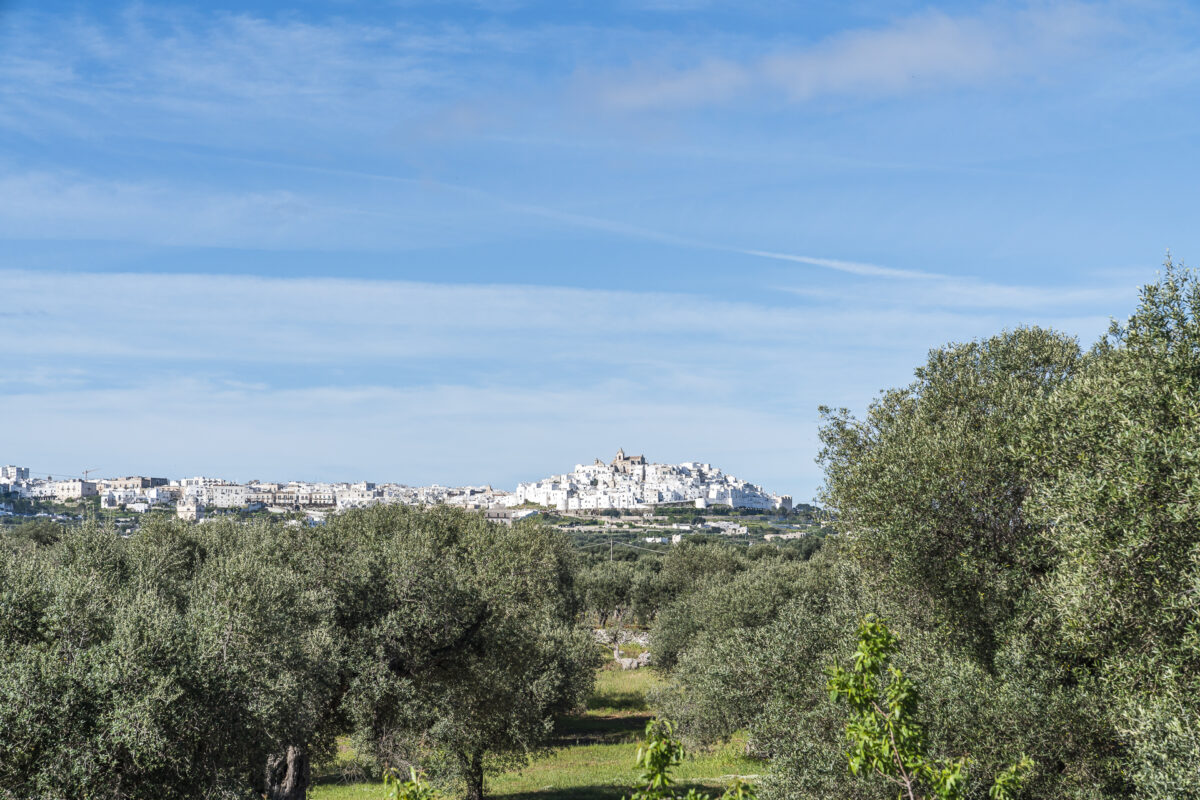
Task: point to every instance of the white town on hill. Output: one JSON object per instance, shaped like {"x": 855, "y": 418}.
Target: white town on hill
{"x": 627, "y": 482}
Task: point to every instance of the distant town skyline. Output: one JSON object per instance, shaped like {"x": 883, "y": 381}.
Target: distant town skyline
{"x": 14, "y": 472}
{"x": 627, "y": 482}
{"x": 472, "y": 242}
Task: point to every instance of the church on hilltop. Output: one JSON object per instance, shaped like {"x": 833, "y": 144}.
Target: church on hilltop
{"x": 626, "y": 465}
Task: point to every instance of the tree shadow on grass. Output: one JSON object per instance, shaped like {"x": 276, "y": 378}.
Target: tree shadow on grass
{"x": 618, "y": 701}
{"x": 568, "y": 793}
{"x": 325, "y": 775}
{"x": 599, "y": 730}
{"x": 596, "y": 792}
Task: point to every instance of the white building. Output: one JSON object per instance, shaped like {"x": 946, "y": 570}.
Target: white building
{"x": 137, "y": 499}
{"x": 74, "y": 489}
{"x": 227, "y": 495}
{"x": 203, "y": 482}
{"x": 12, "y": 474}
{"x": 40, "y": 489}
{"x": 359, "y": 497}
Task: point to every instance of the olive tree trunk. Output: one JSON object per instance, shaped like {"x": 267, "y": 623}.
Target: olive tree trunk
{"x": 473, "y": 772}
{"x": 288, "y": 775}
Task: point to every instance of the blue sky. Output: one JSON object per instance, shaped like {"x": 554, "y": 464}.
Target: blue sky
{"x": 479, "y": 242}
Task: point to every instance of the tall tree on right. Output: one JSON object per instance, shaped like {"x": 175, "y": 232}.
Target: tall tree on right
{"x": 1119, "y": 502}
{"x": 931, "y": 484}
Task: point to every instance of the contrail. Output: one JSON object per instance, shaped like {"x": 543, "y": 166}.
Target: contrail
{"x": 606, "y": 225}
{"x": 634, "y": 231}
{"x": 853, "y": 267}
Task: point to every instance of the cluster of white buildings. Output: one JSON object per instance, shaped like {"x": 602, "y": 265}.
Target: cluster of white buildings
{"x": 192, "y": 495}
{"x": 631, "y": 482}
{"x": 135, "y": 493}
{"x": 219, "y": 493}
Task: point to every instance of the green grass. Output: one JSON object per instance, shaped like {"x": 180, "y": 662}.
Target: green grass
{"x": 619, "y": 692}
{"x": 594, "y": 753}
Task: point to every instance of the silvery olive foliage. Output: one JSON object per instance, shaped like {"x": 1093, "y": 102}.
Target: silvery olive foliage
{"x": 181, "y": 661}
{"x": 1027, "y": 516}
{"x": 469, "y": 641}
{"x": 170, "y": 664}
{"x": 1119, "y": 498}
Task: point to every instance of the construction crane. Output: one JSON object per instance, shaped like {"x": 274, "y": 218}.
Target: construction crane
{"x": 87, "y": 472}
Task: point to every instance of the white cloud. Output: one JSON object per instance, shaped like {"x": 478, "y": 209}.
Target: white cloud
{"x": 320, "y": 320}
{"x": 930, "y": 50}
{"x": 841, "y": 265}
{"x": 219, "y": 78}
{"x": 412, "y": 214}
{"x": 1112, "y": 293}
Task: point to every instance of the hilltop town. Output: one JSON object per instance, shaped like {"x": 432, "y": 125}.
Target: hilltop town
{"x": 631, "y": 482}
{"x": 627, "y": 482}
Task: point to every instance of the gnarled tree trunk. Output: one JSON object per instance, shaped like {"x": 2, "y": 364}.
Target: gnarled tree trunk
{"x": 474, "y": 775}
{"x": 288, "y": 774}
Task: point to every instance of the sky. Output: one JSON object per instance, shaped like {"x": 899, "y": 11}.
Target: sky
{"x": 480, "y": 242}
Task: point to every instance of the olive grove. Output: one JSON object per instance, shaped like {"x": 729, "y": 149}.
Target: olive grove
{"x": 221, "y": 660}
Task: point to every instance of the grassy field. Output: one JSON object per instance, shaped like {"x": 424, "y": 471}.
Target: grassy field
{"x": 593, "y": 756}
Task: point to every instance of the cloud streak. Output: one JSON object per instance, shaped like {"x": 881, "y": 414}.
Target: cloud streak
{"x": 932, "y": 50}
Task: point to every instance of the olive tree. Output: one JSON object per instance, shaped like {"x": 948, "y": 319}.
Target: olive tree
{"x": 470, "y": 644}
{"x": 930, "y": 484}
{"x": 1120, "y": 501}
{"x": 607, "y": 591}
{"x": 220, "y": 660}
{"x": 168, "y": 665}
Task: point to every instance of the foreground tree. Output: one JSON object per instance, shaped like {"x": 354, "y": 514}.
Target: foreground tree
{"x": 931, "y": 484}
{"x": 886, "y": 736}
{"x": 472, "y": 645}
{"x": 1028, "y": 517}
{"x": 1120, "y": 500}
{"x": 658, "y": 753}
{"x": 169, "y": 665}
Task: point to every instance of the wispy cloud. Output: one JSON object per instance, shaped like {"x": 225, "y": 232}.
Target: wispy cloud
{"x": 930, "y": 50}
{"x": 421, "y": 214}
{"x": 199, "y": 319}
{"x": 159, "y": 73}
{"x": 36, "y": 205}
{"x": 70, "y": 205}
{"x": 851, "y": 267}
